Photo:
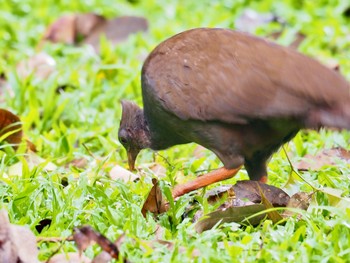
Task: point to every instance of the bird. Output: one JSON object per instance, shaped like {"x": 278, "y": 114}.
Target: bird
{"x": 236, "y": 94}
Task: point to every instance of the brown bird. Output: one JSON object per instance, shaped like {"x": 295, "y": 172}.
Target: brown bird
{"x": 238, "y": 95}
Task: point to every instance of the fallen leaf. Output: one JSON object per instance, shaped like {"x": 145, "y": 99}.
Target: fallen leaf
{"x": 117, "y": 30}
{"x": 299, "y": 200}
{"x": 40, "y": 66}
{"x": 154, "y": 202}
{"x": 83, "y": 236}
{"x": 33, "y": 161}
{"x": 17, "y": 243}
{"x": 273, "y": 215}
{"x": 158, "y": 170}
{"x": 324, "y": 157}
{"x": 238, "y": 214}
{"x": 10, "y": 128}
{"x": 78, "y": 163}
{"x": 82, "y": 240}
{"x": 61, "y": 31}
{"x": 86, "y": 24}
{"x": 247, "y": 190}
{"x": 88, "y": 29}
{"x": 118, "y": 172}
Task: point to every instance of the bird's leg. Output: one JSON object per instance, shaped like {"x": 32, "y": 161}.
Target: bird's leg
{"x": 263, "y": 179}
{"x": 204, "y": 180}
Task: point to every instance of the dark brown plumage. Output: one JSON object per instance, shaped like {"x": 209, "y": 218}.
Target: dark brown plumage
{"x": 238, "y": 95}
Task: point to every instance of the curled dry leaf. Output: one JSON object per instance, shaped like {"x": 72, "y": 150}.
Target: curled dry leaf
{"x": 118, "y": 172}
{"x": 40, "y": 66}
{"x": 324, "y": 157}
{"x": 247, "y": 190}
{"x": 17, "y": 243}
{"x": 10, "y": 124}
{"x": 154, "y": 202}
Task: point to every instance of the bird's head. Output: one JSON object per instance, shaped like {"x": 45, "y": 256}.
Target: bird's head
{"x": 133, "y": 131}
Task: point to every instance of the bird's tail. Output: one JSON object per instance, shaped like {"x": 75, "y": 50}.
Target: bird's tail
{"x": 333, "y": 117}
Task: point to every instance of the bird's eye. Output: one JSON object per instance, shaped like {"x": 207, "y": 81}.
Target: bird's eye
{"x": 123, "y": 140}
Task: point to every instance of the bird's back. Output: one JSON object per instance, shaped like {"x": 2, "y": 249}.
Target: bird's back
{"x": 231, "y": 77}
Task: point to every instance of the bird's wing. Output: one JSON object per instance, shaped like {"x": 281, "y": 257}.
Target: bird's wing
{"x": 223, "y": 75}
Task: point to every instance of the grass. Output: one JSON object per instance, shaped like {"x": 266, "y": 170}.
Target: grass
{"x": 83, "y": 120}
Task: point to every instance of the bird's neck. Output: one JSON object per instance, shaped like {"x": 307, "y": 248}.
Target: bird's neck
{"x": 144, "y": 135}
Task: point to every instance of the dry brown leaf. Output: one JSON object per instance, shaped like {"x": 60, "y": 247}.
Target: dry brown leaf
{"x": 10, "y": 123}
{"x": 238, "y": 214}
{"x": 117, "y": 30}
{"x": 88, "y": 29}
{"x": 274, "y": 216}
{"x": 62, "y": 30}
{"x": 154, "y": 202}
{"x": 33, "y": 160}
{"x": 17, "y": 243}
{"x": 300, "y": 200}
{"x": 86, "y": 24}
{"x": 324, "y": 157}
{"x": 83, "y": 236}
{"x": 78, "y": 163}
{"x": 118, "y": 172}
{"x": 248, "y": 191}
{"x": 40, "y": 66}
{"x": 158, "y": 170}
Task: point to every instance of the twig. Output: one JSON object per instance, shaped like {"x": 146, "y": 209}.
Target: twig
{"x": 294, "y": 171}
{"x": 54, "y": 239}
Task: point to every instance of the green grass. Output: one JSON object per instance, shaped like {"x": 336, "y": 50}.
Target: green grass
{"x": 83, "y": 122}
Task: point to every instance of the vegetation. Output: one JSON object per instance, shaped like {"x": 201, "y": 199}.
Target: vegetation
{"x": 81, "y": 121}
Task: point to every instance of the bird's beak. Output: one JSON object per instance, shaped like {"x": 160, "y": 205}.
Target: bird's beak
{"x": 132, "y": 154}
